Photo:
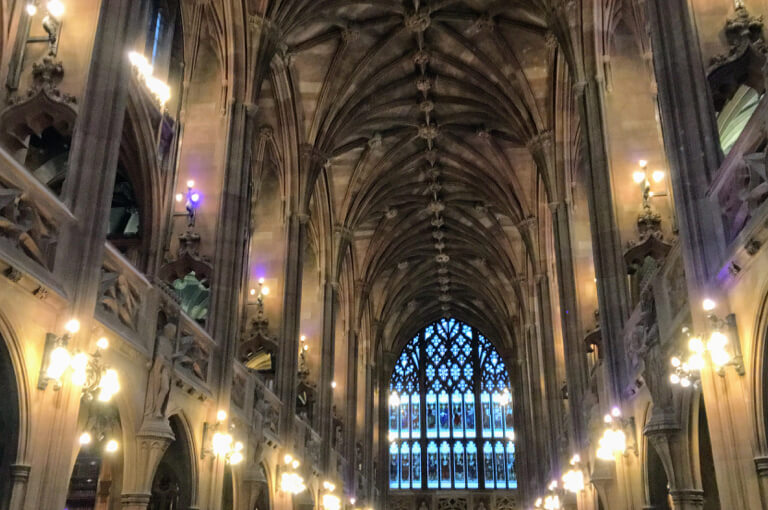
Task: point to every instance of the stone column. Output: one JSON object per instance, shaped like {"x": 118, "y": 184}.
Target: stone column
{"x": 382, "y": 479}
{"x": 152, "y": 441}
{"x": 687, "y": 499}
{"x": 368, "y": 455}
{"x": 613, "y": 298}
{"x": 549, "y": 365}
{"x": 326, "y": 374}
{"x": 350, "y": 425}
{"x": 19, "y": 479}
{"x": 761, "y": 465}
{"x": 88, "y": 194}
{"x": 288, "y": 356}
{"x": 690, "y": 134}
{"x": 692, "y": 145}
{"x": 542, "y": 149}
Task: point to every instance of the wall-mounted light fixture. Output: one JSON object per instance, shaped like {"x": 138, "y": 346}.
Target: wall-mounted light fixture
{"x": 218, "y": 440}
{"x": 192, "y": 199}
{"x": 573, "y": 479}
{"x": 723, "y": 347}
{"x": 614, "y": 439}
{"x": 96, "y": 379}
{"x": 330, "y": 500}
{"x": 291, "y": 482}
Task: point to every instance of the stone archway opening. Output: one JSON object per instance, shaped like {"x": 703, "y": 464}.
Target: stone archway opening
{"x": 172, "y": 485}
{"x": 9, "y": 424}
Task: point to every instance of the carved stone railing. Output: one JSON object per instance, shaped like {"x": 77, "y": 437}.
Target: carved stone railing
{"x": 30, "y": 220}
{"x": 740, "y": 187}
{"x": 194, "y": 355}
{"x": 307, "y": 445}
{"x": 265, "y": 411}
{"x": 653, "y": 330}
{"x": 123, "y": 299}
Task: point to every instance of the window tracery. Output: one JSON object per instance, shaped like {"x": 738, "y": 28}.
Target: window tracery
{"x": 451, "y": 424}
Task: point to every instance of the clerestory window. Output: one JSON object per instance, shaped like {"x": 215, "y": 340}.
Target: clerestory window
{"x": 451, "y": 424}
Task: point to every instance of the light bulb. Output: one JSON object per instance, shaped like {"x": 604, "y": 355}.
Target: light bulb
{"x": 575, "y": 459}
{"x": 179, "y": 197}
{"x": 79, "y": 366}
{"x": 708, "y": 305}
{"x": 190, "y": 183}
{"x": 111, "y": 446}
{"x": 685, "y": 382}
{"x": 306, "y": 347}
{"x": 333, "y": 384}
{"x": 607, "y": 418}
{"x": 696, "y": 362}
{"x": 221, "y": 415}
{"x": 109, "y": 385}
{"x": 236, "y": 458}
{"x": 674, "y": 379}
{"x": 642, "y": 163}
{"x": 265, "y": 291}
{"x": 675, "y": 361}
{"x": 638, "y": 176}
{"x": 85, "y": 438}
{"x": 295, "y": 464}
{"x": 102, "y": 343}
{"x": 303, "y": 338}
{"x": 252, "y": 292}
{"x": 72, "y": 326}
{"x": 615, "y": 412}
{"x": 288, "y": 459}
{"x": 221, "y": 443}
{"x": 331, "y": 502}
{"x": 194, "y": 197}
{"x": 56, "y": 8}
{"x": 261, "y": 281}
{"x": 658, "y": 175}
{"x": 31, "y": 9}
{"x": 239, "y": 446}
{"x": 58, "y": 362}
{"x": 695, "y": 344}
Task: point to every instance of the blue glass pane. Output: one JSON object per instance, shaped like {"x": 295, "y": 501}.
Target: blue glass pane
{"x": 490, "y": 479}
{"x": 469, "y": 412}
{"x": 393, "y": 415}
{"x": 431, "y": 415}
{"x": 394, "y": 468}
{"x": 457, "y": 414}
{"x": 405, "y": 466}
{"x": 432, "y": 466}
{"x": 459, "y": 467}
{"x": 416, "y": 466}
{"x": 485, "y": 412}
{"x": 509, "y": 421}
{"x": 472, "y": 478}
{"x": 404, "y": 418}
{"x": 498, "y": 417}
{"x": 415, "y": 417}
{"x": 500, "y": 463}
{"x": 445, "y": 465}
{"x": 511, "y": 475}
{"x": 444, "y": 414}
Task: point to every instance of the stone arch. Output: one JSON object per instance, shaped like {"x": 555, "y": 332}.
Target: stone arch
{"x": 13, "y": 420}
{"x": 759, "y": 376}
{"x": 174, "y": 484}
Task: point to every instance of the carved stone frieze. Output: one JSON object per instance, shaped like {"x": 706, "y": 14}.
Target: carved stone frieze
{"x": 24, "y": 229}
{"x": 118, "y": 296}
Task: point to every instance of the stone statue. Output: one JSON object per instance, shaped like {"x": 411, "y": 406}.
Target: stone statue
{"x": 158, "y": 389}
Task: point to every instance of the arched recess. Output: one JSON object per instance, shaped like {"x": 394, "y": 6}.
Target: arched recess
{"x": 97, "y": 474}
{"x": 263, "y": 500}
{"x": 657, "y": 485}
{"x": 9, "y": 423}
{"x": 759, "y": 376}
{"x": 706, "y": 460}
{"x": 173, "y": 485}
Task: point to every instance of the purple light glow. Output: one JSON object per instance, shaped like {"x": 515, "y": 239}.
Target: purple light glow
{"x": 194, "y": 198}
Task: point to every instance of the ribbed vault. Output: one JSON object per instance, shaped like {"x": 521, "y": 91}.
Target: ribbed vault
{"x": 420, "y": 114}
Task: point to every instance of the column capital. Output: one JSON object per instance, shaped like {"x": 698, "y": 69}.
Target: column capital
{"x": 761, "y": 465}
{"x": 20, "y": 473}
{"x": 687, "y": 498}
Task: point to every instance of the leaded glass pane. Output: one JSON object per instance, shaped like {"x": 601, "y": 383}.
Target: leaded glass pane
{"x": 432, "y": 465}
{"x": 490, "y": 478}
{"x": 394, "y": 467}
{"x": 405, "y": 466}
{"x": 445, "y": 465}
{"x": 472, "y": 473}
{"x": 500, "y": 463}
{"x": 416, "y": 466}
{"x": 457, "y": 413}
{"x": 415, "y": 416}
{"x": 459, "y": 466}
{"x": 431, "y": 415}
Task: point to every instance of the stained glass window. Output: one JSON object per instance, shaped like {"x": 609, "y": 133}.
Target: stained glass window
{"x": 450, "y": 397}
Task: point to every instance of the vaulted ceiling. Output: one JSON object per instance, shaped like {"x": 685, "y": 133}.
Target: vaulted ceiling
{"x": 422, "y": 112}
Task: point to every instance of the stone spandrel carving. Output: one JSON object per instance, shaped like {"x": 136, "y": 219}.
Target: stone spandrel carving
{"x": 119, "y": 297}
{"x": 193, "y": 357}
{"x": 646, "y": 354}
{"x": 453, "y": 504}
{"x": 24, "y": 229}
